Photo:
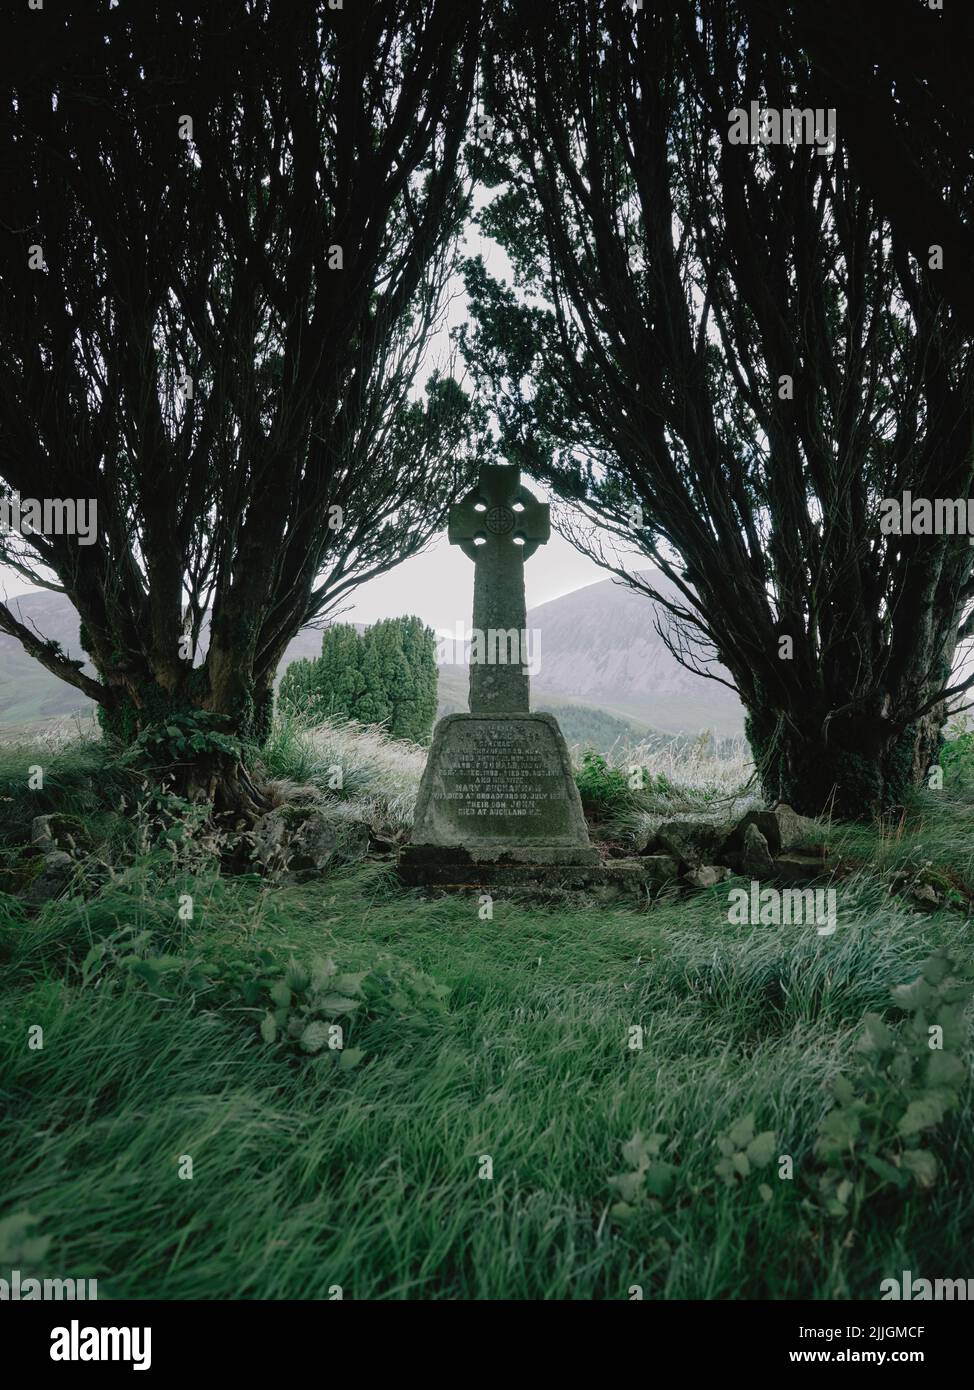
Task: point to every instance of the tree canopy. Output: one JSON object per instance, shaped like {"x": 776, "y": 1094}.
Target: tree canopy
{"x": 230, "y": 230}
{"x": 387, "y": 675}
{"x": 725, "y": 356}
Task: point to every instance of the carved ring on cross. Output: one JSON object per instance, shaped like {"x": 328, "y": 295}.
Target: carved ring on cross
{"x": 499, "y": 506}
{"x": 499, "y": 520}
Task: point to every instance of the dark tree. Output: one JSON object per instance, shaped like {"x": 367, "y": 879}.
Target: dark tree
{"x": 244, "y": 216}
{"x": 898, "y": 73}
{"x": 406, "y": 663}
{"x": 725, "y": 355}
{"x": 329, "y": 685}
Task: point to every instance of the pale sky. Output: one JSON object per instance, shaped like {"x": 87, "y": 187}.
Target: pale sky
{"x": 438, "y": 584}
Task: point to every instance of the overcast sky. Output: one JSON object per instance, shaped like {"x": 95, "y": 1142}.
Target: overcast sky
{"x": 438, "y": 585}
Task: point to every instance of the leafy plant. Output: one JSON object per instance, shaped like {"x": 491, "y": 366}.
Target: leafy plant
{"x": 907, "y": 1081}
{"x": 604, "y": 789}
{"x": 957, "y": 752}
{"x": 301, "y": 1006}
{"x": 743, "y": 1151}
{"x": 185, "y": 736}
{"x": 649, "y": 1179}
{"x": 130, "y": 951}
{"x": 298, "y": 1004}
{"x": 184, "y": 830}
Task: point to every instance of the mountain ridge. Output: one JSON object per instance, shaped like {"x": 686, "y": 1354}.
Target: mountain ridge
{"x": 598, "y": 648}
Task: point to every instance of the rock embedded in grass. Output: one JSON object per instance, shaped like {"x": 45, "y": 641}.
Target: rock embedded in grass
{"x": 924, "y": 889}
{"x": 51, "y": 880}
{"x": 783, "y": 829}
{"x": 295, "y": 842}
{"x": 41, "y": 835}
{"x": 756, "y": 859}
{"x": 707, "y": 875}
{"x": 761, "y": 845}
{"x": 692, "y": 843}
{"x": 799, "y": 867}
{"x": 60, "y": 832}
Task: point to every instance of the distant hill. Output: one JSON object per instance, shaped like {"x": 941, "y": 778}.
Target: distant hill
{"x": 600, "y": 649}
{"x": 593, "y": 728}
{"x": 27, "y": 691}
{"x": 600, "y": 655}
{"x": 600, "y": 645}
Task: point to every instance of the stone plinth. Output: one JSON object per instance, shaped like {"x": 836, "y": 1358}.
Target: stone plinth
{"x": 498, "y": 789}
{"x": 616, "y": 877}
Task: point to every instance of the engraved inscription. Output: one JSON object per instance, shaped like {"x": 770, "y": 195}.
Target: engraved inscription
{"x": 504, "y": 771}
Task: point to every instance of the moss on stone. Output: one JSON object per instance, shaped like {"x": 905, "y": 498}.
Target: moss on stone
{"x": 24, "y": 872}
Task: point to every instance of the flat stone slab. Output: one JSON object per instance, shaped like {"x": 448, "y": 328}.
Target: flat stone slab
{"x": 803, "y": 868}
{"x": 498, "y": 852}
{"x": 499, "y": 788}
{"x": 693, "y": 842}
{"x": 626, "y": 875}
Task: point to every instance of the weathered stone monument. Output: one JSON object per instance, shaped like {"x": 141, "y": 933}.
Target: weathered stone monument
{"x": 498, "y": 802}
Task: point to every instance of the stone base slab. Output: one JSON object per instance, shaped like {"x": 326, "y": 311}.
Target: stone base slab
{"x": 500, "y": 852}
{"x": 632, "y": 875}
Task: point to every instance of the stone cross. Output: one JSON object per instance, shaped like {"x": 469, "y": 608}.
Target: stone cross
{"x": 499, "y": 524}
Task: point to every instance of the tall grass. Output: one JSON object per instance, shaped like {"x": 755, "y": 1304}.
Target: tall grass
{"x": 306, "y": 1177}
{"x": 378, "y": 775}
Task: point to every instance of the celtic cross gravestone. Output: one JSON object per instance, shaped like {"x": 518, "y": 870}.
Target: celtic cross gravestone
{"x": 498, "y": 788}
{"x": 499, "y": 525}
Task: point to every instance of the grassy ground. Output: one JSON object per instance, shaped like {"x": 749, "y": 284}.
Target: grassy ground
{"x": 505, "y": 1037}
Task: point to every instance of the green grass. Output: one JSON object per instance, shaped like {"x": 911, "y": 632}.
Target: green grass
{"x": 306, "y": 1176}
{"x": 379, "y": 775}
